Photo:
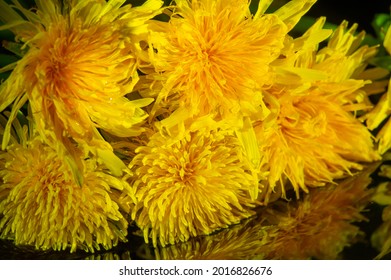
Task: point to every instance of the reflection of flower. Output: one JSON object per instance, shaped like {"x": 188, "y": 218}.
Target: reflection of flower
{"x": 191, "y": 187}
{"x": 42, "y": 205}
{"x": 108, "y": 256}
{"x": 320, "y": 225}
{"x": 239, "y": 242}
{"x": 315, "y": 136}
{"x": 381, "y": 238}
{"x": 78, "y": 66}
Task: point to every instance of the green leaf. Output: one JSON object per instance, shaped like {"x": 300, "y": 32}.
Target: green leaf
{"x": 6, "y": 35}
{"x": 4, "y": 76}
{"x": 6, "y": 59}
{"x": 380, "y": 24}
{"x": 371, "y": 41}
{"x": 382, "y": 61}
{"x": 15, "y": 48}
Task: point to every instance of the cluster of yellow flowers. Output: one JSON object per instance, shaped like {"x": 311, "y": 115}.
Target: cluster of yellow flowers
{"x": 184, "y": 120}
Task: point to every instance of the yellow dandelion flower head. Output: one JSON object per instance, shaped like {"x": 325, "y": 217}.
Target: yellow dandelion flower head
{"x": 42, "y": 205}
{"x": 311, "y": 142}
{"x": 213, "y": 56}
{"x": 192, "y": 186}
{"x": 313, "y": 121}
{"x": 79, "y": 64}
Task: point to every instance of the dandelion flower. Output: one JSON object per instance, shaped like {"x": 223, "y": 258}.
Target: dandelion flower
{"x": 213, "y": 57}
{"x": 42, "y": 205}
{"x": 190, "y": 187}
{"x": 79, "y": 64}
{"x": 313, "y": 135}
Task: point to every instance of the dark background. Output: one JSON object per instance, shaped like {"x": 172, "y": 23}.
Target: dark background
{"x": 354, "y": 11}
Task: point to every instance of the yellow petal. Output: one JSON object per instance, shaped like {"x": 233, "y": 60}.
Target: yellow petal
{"x": 384, "y": 138}
{"x": 112, "y": 162}
{"x": 292, "y": 12}
{"x": 383, "y": 194}
{"x": 387, "y": 41}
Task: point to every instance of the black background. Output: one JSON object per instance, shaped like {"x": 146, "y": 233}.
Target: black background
{"x": 354, "y": 11}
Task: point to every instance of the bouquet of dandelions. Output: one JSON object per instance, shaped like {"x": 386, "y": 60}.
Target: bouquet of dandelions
{"x": 187, "y": 118}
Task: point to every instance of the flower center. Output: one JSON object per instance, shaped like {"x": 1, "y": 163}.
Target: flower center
{"x": 316, "y": 126}
{"x": 186, "y": 168}
{"x": 204, "y": 57}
